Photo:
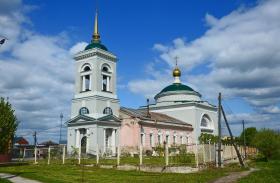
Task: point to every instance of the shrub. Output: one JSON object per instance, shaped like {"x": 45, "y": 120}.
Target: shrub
{"x": 268, "y": 143}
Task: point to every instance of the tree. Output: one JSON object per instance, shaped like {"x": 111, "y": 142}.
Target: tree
{"x": 249, "y": 136}
{"x": 205, "y": 138}
{"x": 268, "y": 143}
{"x": 8, "y": 126}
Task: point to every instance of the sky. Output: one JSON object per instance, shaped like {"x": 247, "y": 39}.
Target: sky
{"x": 228, "y": 46}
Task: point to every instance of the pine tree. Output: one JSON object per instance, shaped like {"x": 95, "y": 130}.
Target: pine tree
{"x": 8, "y": 126}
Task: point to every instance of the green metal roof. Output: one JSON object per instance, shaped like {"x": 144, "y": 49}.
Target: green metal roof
{"x": 176, "y": 87}
{"x": 94, "y": 44}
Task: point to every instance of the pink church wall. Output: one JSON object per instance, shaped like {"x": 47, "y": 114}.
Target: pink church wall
{"x": 130, "y": 133}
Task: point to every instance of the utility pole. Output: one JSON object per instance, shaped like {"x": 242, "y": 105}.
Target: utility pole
{"x": 244, "y": 138}
{"x": 232, "y": 141}
{"x": 61, "y": 117}
{"x": 35, "y": 138}
{"x": 219, "y": 131}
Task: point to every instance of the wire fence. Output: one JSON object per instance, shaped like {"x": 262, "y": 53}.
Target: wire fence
{"x": 192, "y": 155}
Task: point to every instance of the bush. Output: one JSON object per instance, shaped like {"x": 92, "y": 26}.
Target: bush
{"x": 149, "y": 153}
{"x": 268, "y": 143}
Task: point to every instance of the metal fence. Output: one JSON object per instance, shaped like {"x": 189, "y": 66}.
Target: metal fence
{"x": 192, "y": 155}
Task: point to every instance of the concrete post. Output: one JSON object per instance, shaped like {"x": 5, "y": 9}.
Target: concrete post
{"x": 140, "y": 155}
{"x": 118, "y": 155}
{"x": 63, "y": 155}
{"x": 97, "y": 154}
{"x": 210, "y": 154}
{"x": 23, "y": 154}
{"x": 166, "y": 155}
{"x": 35, "y": 155}
{"x": 49, "y": 154}
{"x": 204, "y": 158}
{"x": 79, "y": 156}
{"x": 196, "y": 154}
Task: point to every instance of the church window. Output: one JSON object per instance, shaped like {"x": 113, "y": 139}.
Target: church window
{"x": 86, "y": 68}
{"x": 106, "y": 78}
{"x": 181, "y": 139}
{"x": 86, "y": 78}
{"x": 106, "y": 83}
{"x": 167, "y": 139}
{"x": 108, "y": 111}
{"x": 84, "y": 111}
{"x": 205, "y": 121}
{"x": 151, "y": 139}
{"x": 174, "y": 139}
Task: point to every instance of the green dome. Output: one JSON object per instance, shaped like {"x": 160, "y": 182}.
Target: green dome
{"x": 96, "y": 45}
{"x": 176, "y": 87}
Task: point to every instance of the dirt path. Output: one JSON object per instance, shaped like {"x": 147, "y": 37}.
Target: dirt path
{"x": 16, "y": 179}
{"x": 233, "y": 177}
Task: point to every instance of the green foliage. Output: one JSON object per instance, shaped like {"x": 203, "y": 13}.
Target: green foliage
{"x": 268, "y": 143}
{"x": 268, "y": 172}
{"x": 8, "y": 126}
{"x": 205, "y": 137}
{"x": 249, "y": 136}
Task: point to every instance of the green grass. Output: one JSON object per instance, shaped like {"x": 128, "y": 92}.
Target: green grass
{"x": 269, "y": 173}
{"x": 56, "y": 173}
{"x": 4, "y": 181}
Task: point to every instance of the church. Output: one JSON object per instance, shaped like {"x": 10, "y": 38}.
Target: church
{"x": 99, "y": 125}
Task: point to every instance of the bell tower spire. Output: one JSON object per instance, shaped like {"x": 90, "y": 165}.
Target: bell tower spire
{"x": 96, "y": 36}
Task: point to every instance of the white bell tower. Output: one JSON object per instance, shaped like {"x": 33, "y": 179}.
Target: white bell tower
{"x": 95, "y": 80}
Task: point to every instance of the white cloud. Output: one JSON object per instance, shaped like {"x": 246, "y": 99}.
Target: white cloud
{"x": 78, "y": 47}
{"x": 36, "y": 73}
{"x": 242, "y": 51}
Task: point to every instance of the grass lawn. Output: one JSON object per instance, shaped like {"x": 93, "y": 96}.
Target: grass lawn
{"x": 269, "y": 173}
{"x": 4, "y": 180}
{"x": 56, "y": 173}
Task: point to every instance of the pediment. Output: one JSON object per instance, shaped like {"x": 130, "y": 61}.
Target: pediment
{"x": 112, "y": 118}
{"x": 80, "y": 119}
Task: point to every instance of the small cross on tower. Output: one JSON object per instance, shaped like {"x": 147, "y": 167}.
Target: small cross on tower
{"x": 176, "y": 60}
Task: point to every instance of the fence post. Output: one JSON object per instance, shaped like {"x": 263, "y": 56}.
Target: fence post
{"x": 35, "y": 155}
{"x": 97, "y": 154}
{"x": 210, "y": 147}
{"x": 140, "y": 155}
{"x": 63, "y": 155}
{"x": 118, "y": 155}
{"x": 203, "y": 147}
{"x": 166, "y": 155}
{"x": 79, "y": 156}
{"x": 23, "y": 156}
{"x": 49, "y": 154}
{"x": 196, "y": 154}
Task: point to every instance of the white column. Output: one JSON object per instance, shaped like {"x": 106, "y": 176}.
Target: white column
{"x": 90, "y": 82}
{"x": 104, "y": 137}
{"x": 77, "y": 138}
{"x": 83, "y": 83}
{"x": 108, "y": 83}
{"x": 113, "y": 143}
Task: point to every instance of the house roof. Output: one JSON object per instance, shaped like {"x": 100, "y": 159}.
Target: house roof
{"x": 20, "y": 140}
{"x": 159, "y": 117}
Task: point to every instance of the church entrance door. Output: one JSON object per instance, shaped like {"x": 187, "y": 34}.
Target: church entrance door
{"x": 84, "y": 145}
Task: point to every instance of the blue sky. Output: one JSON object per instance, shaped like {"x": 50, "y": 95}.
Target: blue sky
{"x": 223, "y": 46}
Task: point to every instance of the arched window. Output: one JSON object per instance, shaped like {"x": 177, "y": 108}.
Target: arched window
{"x": 105, "y": 69}
{"x": 86, "y": 68}
{"x": 108, "y": 110}
{"x": 85, "y": 78}
{"x": 205, "y": 121}
{"x": 106, "y": 77}
{"x": 84, "y": 111}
